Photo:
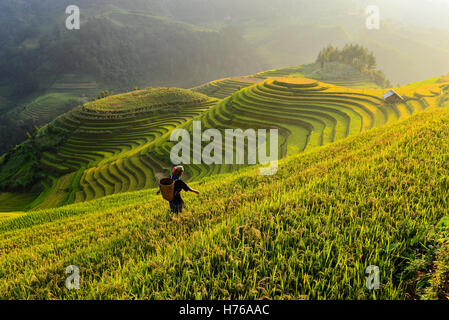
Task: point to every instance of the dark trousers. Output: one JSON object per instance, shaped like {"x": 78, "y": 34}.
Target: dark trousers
{"x": 176, "y": 206}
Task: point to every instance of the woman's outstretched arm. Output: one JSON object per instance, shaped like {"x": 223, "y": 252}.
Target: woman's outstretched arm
{"x": 194, "y": 191}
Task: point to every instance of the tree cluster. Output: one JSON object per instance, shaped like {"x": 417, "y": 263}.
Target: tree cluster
{"x": 357, "y": 56}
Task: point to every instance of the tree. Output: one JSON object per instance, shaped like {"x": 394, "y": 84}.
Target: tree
{"x": 357, "y": 56}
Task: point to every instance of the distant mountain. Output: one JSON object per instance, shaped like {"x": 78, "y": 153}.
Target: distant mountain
{"x": 183, "y": 43}
{"x": 412, "y": 43}
{"x": 121, "y": 45}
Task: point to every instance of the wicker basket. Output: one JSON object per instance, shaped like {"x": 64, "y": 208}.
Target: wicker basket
{"x": 167, "y": 187}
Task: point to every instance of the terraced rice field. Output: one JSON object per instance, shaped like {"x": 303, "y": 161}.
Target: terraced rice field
{"x": 307, "y": 113}
{"x": 376, "y": 198}
{"x": 75, "y": 85}
{"x": 102, "y": 153}
{"x": 312, "y": 113}
{"x": 122, "y": 143}
{"x": 49, "y": 106}
{"x": 64, "y": 94}
{"x": 356, "y": 81}
{"x": 308, "y": 232}
{"x": 333, "y": 73}
{"x": 223, "y": 88}
{"x": 279, "y": 73}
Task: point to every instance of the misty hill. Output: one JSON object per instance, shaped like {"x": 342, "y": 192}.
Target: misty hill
{"x": 46, "y": 70}
{"x": 412, "y": 43}
{"x": 120, "y": 45}
{"x": 284, "y": 32}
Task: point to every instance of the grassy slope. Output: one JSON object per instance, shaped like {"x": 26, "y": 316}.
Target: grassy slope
{"x": 138, "y": 152}
{"x": 334, "y": 73}
{"x": 90, "y": 138}
{"x": 311, "y": 229}
{"x": 47, "y": 107}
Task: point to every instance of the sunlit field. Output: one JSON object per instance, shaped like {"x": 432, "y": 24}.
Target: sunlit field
{"x": 236, "y": 158}
{"x": 308, "y": 232}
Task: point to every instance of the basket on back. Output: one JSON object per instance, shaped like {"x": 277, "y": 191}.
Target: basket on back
{"x": 167, "y": 187}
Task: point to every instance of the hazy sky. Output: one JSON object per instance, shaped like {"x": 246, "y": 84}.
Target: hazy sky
{"x": 430, "y": 13}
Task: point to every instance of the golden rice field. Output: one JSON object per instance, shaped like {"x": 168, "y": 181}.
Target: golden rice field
{"x": 223, "y": 88}
{"x": 334, "y": 73}
{"x": 307, "y": 113}
{"x": 121, "y": 143}
{"x": 308, "y": 232}
{"x": 361, "y": 183}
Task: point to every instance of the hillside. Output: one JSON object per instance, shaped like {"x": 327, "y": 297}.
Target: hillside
{"x": 335, "y": 73}
{"x": 315, "y": 155}
{"x": 406, "y": 53}
{"x": 291, "y": 32}
{"x": 127, "y": 43}
{"x": 311, "y": 113}
{"x": 121, "y": 45}
{"x": 307, "y": 232}
{"x": 94, "y": 150}
{"x": 122, "y": 143}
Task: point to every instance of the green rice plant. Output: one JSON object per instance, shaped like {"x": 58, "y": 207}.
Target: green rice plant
{"x": 307, "y": 232}
{"x": 121, "y": 143}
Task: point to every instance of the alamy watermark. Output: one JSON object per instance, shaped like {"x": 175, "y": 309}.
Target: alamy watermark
{"x": 373, "y": 19}
{"x": 373, "y": 280}
{"x": 73, "y": 280}
{"x": 212, "y": 153}
{"x": 73, "y": 21}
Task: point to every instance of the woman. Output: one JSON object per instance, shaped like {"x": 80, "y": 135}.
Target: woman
{"x": 177, "y": 204}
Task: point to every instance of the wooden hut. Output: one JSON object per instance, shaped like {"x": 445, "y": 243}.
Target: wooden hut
{"x": 393, "y": 97}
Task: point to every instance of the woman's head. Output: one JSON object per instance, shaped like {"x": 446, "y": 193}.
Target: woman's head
{"x": 178, "y": 171}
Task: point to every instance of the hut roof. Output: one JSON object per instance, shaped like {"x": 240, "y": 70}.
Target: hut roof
{"x": 392, "y": 93}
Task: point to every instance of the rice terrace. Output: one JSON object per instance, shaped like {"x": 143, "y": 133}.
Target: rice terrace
{"x": 361, "y": 183}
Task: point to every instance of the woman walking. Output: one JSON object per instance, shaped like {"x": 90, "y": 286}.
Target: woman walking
{"x": 177, "y": 204}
